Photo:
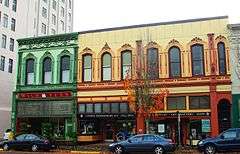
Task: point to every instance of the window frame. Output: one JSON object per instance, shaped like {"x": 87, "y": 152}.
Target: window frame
{"x": 122, "y": 52}
{"x": 13, "y": 24}
{"x": 4, "y": 41}
{"x": 220, "y": 59}
{"x": 148, "y": 64}
{"x": 26, "y": 71}
{"x": 102, "y": 67}
{"x": 10, "y": 65}
{"x": 83, "y": 67}
{"x": 2, "y": 63}
{"x": 61, "y": 70}
{"x": 178, "y": 98}
{"x": 11, "y": 44}
{"x": 43, "y": 70}
{"x": 199, "y": 102}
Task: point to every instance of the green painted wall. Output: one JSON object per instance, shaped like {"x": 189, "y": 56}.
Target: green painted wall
{"x": 236, "y": 110}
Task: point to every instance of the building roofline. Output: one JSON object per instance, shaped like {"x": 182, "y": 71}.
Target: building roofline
{"x": 153, "y": 24}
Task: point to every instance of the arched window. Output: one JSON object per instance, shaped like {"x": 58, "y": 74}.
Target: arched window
{"x": 152, "y": 63}
{"x": 47, "y": 70}
{"x": 65, "y": 69}
{"x": 30, "y": 71}
{"x": 221, "y": 58}
{"x": 87, "y": 67}
{"x": 197, "y": 59}
{"x": 106, "y": 67}
{"x": 174, "y": 62}
{"x": 126, "y": 64}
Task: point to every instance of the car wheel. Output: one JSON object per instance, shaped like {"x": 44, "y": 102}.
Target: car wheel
{"x": 118, "y": 150}
{"x": 158, "y": 150}
{"x": 210, "y": 149}
{"x": 34, "y": 148}
{"x": 5, "y": 147}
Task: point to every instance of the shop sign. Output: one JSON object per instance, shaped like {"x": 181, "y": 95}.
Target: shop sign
{"x": 161, "y": 128}
{"x": 185, "y": 114}
{"x": 206, "y": 125}
{"x": 44, "y": 95}
{"x": 107, "y": 115}
{"x": 44, "y": 109}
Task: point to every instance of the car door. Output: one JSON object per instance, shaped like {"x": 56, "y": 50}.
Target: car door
{"x": 134, "y": 144}
{"x": 227, "y": 140}
{"x": 148, "y": 143}
{"x": 19, "y": 142}
{"x": 30, "y": 139}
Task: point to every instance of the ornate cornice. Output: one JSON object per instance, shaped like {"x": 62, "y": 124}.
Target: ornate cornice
{"x": 106, "y": 47}
{"x": 196, "y": 40}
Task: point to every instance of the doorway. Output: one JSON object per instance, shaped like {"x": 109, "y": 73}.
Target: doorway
{"x": 224, "y": 115}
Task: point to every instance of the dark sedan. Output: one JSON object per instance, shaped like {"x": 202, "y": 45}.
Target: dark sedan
{"x": 229, "y": 140}
{"x": 28, "y": 142}
{"x": 143, "y": 143}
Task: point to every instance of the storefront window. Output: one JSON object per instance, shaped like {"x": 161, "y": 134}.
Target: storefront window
{"x": 199, "y": 102}
{"x": 115, "y": 107}
{"x": 89, "y": 127}
{"x": 98, "y": 108}
{"x": 176, "y": 103}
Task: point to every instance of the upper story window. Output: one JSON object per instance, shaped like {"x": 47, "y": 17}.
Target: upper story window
{"x": 2, "y": 63}
{"x": 174, "y": 62}
{"x": 6, "y": 3}
{"x": 176, "y": 103}
{"x": 44, "y": 12}
{"x": 53, "y": 31}
{"x": 197, "y": 59}
{"x": 70, "y": 4}
{"x": 152, "y": 63}
{"x": 44, "y": 29}
{"x": 126, "y": 64}
{"x": 11, "y": 44}
{"x": 54, "y": 19}
{"x": 13, "y": 24}
{"x": 221, "y": 58}
{"x": 30, "y": 71}
{"x": 47, "y": 70}
{"x": 5, "y": 20}
{"x": 62, "y": 25}
{"x": 65, "y": 69}
{"x": 106, "y": 67}
{"x": 10, "y": 66}
{"x": 87, "y": 67}
{"x": 62, "y": 11}
{"x": 4, "y": 41}
{"x": 14, "y": 5}
{"x": 69, "y": 17}
{"x": 54, "y": 4}
{"x": 199, "y": 102}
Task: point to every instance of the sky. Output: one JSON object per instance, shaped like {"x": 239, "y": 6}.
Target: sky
{"x": 97, "y": 14}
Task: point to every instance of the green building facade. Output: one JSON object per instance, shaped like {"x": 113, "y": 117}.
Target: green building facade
{"x": 45, "y": 99}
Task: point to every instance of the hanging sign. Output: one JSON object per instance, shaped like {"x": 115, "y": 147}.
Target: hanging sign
{"x": 206, "y": 125}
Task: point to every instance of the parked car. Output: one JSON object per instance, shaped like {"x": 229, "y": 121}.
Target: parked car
{"x": 143, "y": 143}
{"x": 27, "y": 142}
{"x": 228, "y": 140}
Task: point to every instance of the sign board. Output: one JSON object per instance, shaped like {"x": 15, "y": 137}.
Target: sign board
{"x": 161, "y": 128}
{"x": 206, "y": 125}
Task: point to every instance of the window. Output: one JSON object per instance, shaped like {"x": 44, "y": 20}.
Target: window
{"x": 106, "y": 67}
{"x": 175, "y": 62}
{"x": 4, "y": 41}
{"x": 62, "y": 25}
{"x": 65, "y": 69}
{"x": 2, "y": 64}
{"x": 30, "y": 71}
{"x": 54, "y": 4}
{"x": 45, "y": 1}
{"x": 13, "y": 24}
{"x": 123, "y": 107}
{"x": 47, "y": 70}
{"x": 1, "y": 1}
{"x": 10, "y": 66}
{"x": 89, "y": 108}
{"x": 62, "y": 11}
{"x": 53, "y": 19}
{"x": 230, "y": 134}
{"x": 115, "y": 107}
{"x": 149, "y": 138}
{"x": 197, "y": 59}
{"x": 87, "y": 68}
{"x": 152, "y": 63}
{"x": 126, "y": 62}
{"x": 221, "y": 58}
{"x": 44, "y": 28}
{"x": 69, "y": 17}
{"x": 98, "y": 108}
{"x": 21, "y": 137}
{"x": 81, "y": 108}
{"x": 0, "y": 17}
{"x": 63, "y": 1}
{"x": 14, "y": 5}
{"x": 53, "y": 31}
{"x": 136, "y": 139}
{"x": 5, "y": 20}
{"x": 44, "y": 12}
{"x": 199, "y": 102}
{"x": 176, "y": 103}
{"x": 70, "y": 4}
{"x": 106, "y": 107}
{"x": 6, "y": 3}
{"x": 11, "y": 44}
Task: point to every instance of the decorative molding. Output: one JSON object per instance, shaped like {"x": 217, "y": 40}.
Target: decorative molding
{"x": 173, "y": 41}
{"x": 106, "y": 47}
{"x": 196, "y": 40}
{"x": 221, "y": 38}
{"x": 126, "y": 47}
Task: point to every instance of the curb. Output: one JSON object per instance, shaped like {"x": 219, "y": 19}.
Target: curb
{"x": 86, "y": 152}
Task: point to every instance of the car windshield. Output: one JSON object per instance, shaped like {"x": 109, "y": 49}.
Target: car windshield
{"x": 20, "y": 137}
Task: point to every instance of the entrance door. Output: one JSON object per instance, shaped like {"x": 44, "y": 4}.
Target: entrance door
{"x": 109, "y": 132}
{"x": 224, "y": 115}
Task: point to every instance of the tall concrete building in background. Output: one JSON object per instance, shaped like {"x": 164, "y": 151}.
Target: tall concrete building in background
{"x": 21, "y": 19}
